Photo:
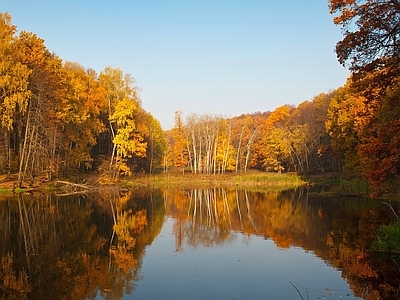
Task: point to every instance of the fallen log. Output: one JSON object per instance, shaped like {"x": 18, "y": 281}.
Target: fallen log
{"x": 84, "y": 193}
{"x": 82, "y": 186}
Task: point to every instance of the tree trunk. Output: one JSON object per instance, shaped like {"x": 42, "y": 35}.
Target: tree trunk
{"x": 238, "y": 150}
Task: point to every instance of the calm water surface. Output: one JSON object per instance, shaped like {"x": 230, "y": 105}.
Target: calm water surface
{"x": 193, "y": 244}
{"x": 245, "y": 268}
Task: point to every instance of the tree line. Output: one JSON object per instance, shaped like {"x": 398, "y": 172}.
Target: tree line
{"x": 354, "y": 128}
{"x": 58, "y": 117}
{"x": 290, "y": 138}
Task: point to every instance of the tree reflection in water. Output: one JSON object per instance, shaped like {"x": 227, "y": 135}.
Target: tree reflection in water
{"x": 339, "y": 231}
{"x": 93, "y": 246}
{"x": 66, "y": 245}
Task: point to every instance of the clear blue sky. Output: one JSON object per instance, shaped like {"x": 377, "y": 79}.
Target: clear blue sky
{"x": 217, "y": 57}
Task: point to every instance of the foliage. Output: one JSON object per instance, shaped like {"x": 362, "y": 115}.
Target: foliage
{"x": 58, "y": 117}
{"x": 127, "y": 139}
{"x": 371, "y": 35}
{"x": 365, "y": 134}
{"x": 364, "y": 121}
{"x": 14, "y": 75}
{"x": 388, "y": 238}
{"x": 341, "y": 126}
{"x": 79, "y": 114}
{"x": 380, "y": 144}
{"x": 179, "y": 149}
{"x": 124, "y": 107}
{"x": 356, "y": 186}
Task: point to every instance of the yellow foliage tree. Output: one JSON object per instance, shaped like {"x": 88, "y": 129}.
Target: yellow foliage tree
{"x": 123, "y": 111}
{"x": 14, "y": 76}
{"x": 128, "y": 140}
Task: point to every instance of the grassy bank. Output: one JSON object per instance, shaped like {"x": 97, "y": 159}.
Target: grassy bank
{"x": 338, "y": 186}
{"x": 257, "y": 181}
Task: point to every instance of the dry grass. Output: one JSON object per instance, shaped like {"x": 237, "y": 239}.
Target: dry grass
{"x": 256, "y": 180}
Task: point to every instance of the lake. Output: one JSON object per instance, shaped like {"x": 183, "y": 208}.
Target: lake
{"x": 193, "y": 244}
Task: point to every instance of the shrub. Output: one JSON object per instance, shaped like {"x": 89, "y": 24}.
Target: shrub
{"x": 388, "y": 238}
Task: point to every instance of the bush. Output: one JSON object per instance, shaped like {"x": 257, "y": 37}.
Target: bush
{"x": 354, "y": 186}
{"x": 388, "y": 238}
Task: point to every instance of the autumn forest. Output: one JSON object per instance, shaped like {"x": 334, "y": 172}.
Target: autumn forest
{"x": 58, "y": 118}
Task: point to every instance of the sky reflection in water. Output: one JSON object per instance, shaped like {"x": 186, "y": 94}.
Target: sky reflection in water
{"x": 245, "y": 268}
{"x": 194, "y": 244}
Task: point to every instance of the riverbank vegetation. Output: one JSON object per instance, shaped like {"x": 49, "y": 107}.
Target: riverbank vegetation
{"x": 260, "y": 181}
{"x": 388, "y": 238}
{"x": 255, "y": 180}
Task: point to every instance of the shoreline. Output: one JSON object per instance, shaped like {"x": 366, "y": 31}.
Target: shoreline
{"x": 92, "y": 182}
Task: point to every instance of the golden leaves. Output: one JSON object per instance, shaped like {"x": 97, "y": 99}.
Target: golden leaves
{"x": 14, "y": 76}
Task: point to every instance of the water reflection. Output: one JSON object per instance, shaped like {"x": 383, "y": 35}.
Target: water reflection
{"x": 74, "y": 247}
{"x": 339, "y": 231}
{"x": 94, "y": 246}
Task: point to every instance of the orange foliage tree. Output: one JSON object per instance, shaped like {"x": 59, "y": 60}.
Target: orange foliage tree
{"x": 371, "y": 47}
{"x": 371, "y": 37}
{"x": 380, "y": 144}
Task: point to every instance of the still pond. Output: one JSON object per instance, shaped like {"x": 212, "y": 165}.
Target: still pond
{"x": 193, "y": 244}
